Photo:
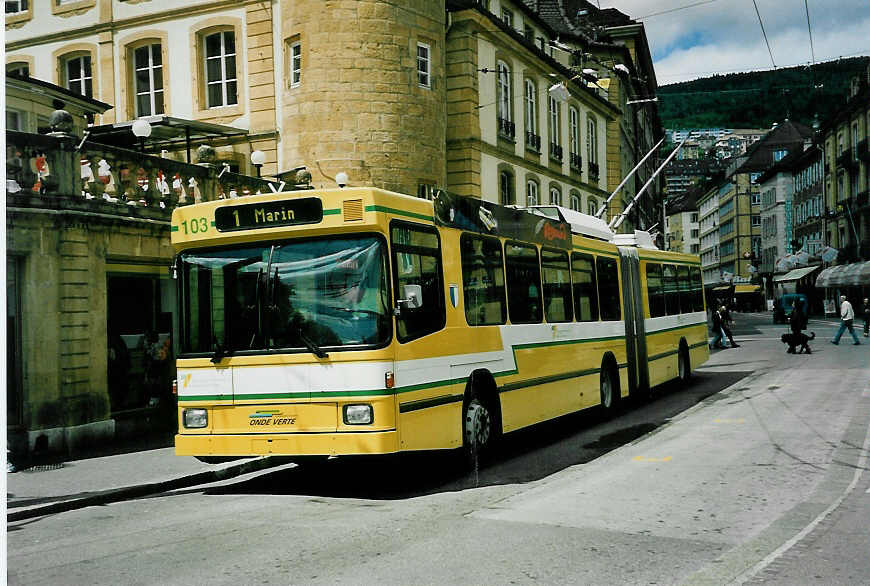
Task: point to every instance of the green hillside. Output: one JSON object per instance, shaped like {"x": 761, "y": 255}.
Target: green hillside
{"x": 758, "y": 99}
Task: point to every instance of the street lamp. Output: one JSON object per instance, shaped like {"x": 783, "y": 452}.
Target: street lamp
{"x": 258, "y": 158}
{"x": 142, "y": 130}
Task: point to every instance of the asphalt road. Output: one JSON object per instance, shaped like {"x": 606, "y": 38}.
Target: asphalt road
{"x": 755, "y": 472}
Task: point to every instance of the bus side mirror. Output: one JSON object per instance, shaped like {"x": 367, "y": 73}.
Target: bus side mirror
{"x": 412, "y": 298}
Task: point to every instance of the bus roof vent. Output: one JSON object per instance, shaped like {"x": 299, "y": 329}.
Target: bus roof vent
{"x": 640, "y": 239}
{"x": 352, "y": 209}
{"x": 582, "y": 224}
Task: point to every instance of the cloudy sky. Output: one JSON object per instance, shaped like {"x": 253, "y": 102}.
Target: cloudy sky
{"x": 698, "y": 38}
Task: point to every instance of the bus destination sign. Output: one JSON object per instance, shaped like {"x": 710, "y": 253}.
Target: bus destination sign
{"x": 269, "y": 214}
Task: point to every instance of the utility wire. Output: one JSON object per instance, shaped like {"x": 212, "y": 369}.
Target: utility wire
{"x": 754, "y": 3}
{"x": 810, "y": 31}
{"x": 674, "y": 9}
{"x": 713, "y": 71}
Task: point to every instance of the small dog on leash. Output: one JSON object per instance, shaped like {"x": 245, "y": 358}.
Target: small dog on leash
{"x": 800, "y": 339}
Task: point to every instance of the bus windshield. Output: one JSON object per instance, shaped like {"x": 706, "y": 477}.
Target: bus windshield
{"x": 301, "y": 295}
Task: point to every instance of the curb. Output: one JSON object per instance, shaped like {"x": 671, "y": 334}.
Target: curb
{"x": 137, "y": 491}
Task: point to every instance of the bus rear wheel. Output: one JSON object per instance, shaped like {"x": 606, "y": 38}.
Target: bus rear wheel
{"x": 609, "y": 390}
{"x": 684, "y": 365}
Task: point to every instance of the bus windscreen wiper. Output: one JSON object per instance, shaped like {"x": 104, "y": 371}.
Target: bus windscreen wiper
{"x": 312, "y": 347}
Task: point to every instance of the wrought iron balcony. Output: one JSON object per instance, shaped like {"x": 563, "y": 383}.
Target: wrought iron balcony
{"x": 506, "y": 128}
{"x": 593, "y": 170}
{"x": 555, "y": 152}
{"x": 533, "y": 141}
{"x": 576, "y": 162}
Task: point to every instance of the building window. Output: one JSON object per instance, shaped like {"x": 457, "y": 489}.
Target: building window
{"x": 780, "y": 154}
{"x": 423, "y": 66}
{"x": 13, "y": 120}
{"x": 78, "y": 75}
{"x": 506, "y": 188}
{"x": 575, "y": 202}
{"x": 507, "y": 17}
{"x": 591, "y": 206}
{"x": 18, "y": 68}
{"x": 531, "y": 193}
{"x": 755, "y": 198}
{"x": 591, "y": 141}
{"x": 16, "y": 6}
{"x": 555, "y": 196}
{"x": 529, "y": 33}
{"x": 531, "y": 107}
{"x": 148, "y": 79}
{"x": 504, "y": 91}
{"x": 554, "y": 127}
{"x": 220, "y": 69}
{"x": 295, "y": 64}
{"x": 574, "y": 130}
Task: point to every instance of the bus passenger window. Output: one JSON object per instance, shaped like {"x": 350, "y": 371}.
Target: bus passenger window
{"x": 524, "y": 283}
{"x": 685, "y": 286}
{"x": 585, "y": 289}
{"x": 608, "y": 289}
{"x": 655, "y": 293}
{"x": 557, "y": 286}
{"x": 672, "y": 293}
{"x": 417, "y": 261}
{"x": 483, "y": 280}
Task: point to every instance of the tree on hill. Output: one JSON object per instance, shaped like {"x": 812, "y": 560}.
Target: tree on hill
{"x": 757, "y": 99}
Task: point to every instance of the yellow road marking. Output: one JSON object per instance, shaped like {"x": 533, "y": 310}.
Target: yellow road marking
{"x": 729, "y": 421}
{"x": 646, "y": 459}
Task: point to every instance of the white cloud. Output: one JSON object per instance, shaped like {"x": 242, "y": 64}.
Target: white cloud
{"x": 724, "y": 35}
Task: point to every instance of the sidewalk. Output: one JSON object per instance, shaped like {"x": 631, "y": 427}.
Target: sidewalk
{"x": 65, "y": 486}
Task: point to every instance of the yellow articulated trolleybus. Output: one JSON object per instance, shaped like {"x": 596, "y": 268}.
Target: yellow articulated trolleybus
{"x": 360, "y": 321}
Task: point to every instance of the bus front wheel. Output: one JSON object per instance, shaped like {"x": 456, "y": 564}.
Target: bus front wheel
{"x": 684, "y": 366}
{"x": 478, "y": 430}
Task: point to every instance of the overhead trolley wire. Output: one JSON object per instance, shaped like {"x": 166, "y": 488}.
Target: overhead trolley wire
{"x": 764, "y": 33}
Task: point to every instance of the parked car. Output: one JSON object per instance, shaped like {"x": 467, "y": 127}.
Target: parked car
{"x": 783, "y": 306}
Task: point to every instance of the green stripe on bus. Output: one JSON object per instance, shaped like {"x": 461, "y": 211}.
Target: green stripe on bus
{"x": 331, "y": 212}
{"x": 694, "y": 325}
{"x": 173, "y": 228}
{"x": 398, "y": 212}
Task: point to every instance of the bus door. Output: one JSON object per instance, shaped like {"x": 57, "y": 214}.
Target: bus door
{"x": 635, "y": 334}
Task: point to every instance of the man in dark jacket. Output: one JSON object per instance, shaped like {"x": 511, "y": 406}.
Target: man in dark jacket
{"x": 865, "y": 311}
{"x": 717, "y": 330}
{"x": 797, "y": 320}
{"x": 727, "y": 322}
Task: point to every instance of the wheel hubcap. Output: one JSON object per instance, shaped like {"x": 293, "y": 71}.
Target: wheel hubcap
{"x": 477, "y": 425}
{"x": 606, "y": 391}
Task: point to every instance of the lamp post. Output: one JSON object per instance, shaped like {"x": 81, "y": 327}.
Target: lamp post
{"x": 142, "y": 130}
{"x": 258, "y": 159}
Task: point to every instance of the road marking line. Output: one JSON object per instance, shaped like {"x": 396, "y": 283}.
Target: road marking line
{"x": 646, "y": 459}
{"x": 862, "y": 462}
{"x": 729, "y": 421}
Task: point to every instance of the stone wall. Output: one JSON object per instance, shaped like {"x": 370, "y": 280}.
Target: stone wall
{"x": 358, "y": 107}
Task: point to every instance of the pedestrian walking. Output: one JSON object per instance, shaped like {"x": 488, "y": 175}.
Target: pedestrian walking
{"x": 797, "y": 321}
{"x": 847, "y": 316}
{"x": 718, "y": 333}
{"x": 865, "y": 311}
{"x": 727, "y": 324}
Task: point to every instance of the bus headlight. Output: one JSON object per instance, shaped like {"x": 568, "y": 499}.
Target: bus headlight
{"x": 195, "y": 418}
{"x": 358, "y": 414}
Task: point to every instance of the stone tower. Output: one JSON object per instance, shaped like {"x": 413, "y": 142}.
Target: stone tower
{"x": 359, "y": 106}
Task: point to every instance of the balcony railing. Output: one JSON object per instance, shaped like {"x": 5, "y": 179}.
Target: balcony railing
{"x": 593, "y": 170}
{"x": 57, "y": 165}
{"x": 555, "y": 152}
{"x": 576, "y": 162}
{"x": 533, "y": 141}
{"x": 506, "y": 128}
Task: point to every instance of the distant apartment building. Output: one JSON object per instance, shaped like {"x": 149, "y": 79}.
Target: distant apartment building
{"x": 682, "y": 175}
{"x": 708, "y": 216}
{"x": 777, "y": 229}
{"x": 679, "y": 134}
{"x": 847, "y": 175}
{"x": 740, "y": 243}
{"x": 681, "y": 225}
{"x": 735, "y": 143}
{"x": 807, "y": 213}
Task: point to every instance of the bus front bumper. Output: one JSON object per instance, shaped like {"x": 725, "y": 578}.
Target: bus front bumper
{"x": 288, "y": 444}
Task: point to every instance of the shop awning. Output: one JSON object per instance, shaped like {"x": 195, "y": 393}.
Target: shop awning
{"x": 747, "y": 288}
{"x": 794, "y": 274}
{"x": 851, "y": 275}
